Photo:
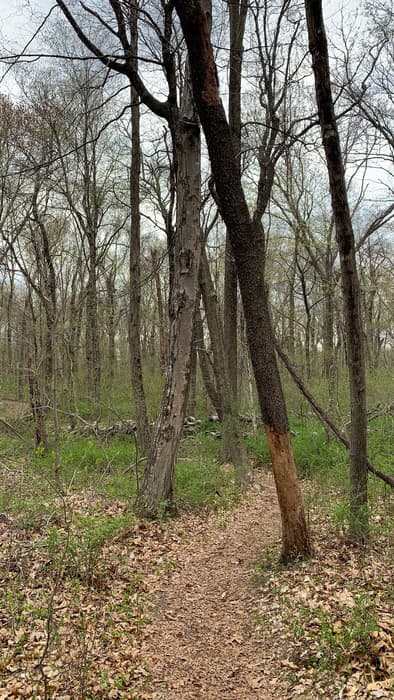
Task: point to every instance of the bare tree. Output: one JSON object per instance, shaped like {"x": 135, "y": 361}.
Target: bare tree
{"x": 248, "y": 250}
{"x": 349, "y": 275}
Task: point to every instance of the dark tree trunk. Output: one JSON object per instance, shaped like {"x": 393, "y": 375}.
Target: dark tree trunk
{"x": 350, "y": 285}
{"x": 237, "y": 17}
{"x": 38, "y": 413}
{"x": 248, "y": 250}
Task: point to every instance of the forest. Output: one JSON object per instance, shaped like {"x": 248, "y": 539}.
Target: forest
{"x": 197, "y": 345}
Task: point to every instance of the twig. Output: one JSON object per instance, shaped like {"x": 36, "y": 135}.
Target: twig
{"x": 13, "y": 430}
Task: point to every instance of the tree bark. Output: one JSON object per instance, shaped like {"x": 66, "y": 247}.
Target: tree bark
{"x": 205, "y": 366}
{"x": 92, "y": 336}
{"x": 40, "y": 435}
{"x": 160, "y": 311}
{"x": 237, "y": 17}
{"x": 349, "y": 276}
{"x": 248, "y": 250}
{"x": 158, "y": 481}
{"x": 233, "y": 447}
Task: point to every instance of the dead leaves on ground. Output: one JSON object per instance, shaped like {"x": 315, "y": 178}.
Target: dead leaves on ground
{"x": 73, "y": 619}
{"x": 74, "y": 607}
{"x": 331, "y": 618}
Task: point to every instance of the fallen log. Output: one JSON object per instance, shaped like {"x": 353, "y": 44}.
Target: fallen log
{"x": 125, "y": 427}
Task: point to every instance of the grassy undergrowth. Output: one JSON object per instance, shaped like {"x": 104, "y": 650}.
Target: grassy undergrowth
{"x": 75, "y": 560}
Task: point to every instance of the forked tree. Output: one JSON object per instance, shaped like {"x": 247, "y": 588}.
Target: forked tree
{"x": 248, "y": 249}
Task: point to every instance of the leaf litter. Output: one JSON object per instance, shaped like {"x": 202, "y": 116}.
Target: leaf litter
{"x": 194, "y": 607}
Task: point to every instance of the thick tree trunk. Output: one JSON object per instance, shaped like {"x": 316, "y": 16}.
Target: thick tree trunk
{"x": 134, "y": 326}
{"x": 157, "y": 486}
{"x": 350, "y": 285}
{"x": 248, "y": 250}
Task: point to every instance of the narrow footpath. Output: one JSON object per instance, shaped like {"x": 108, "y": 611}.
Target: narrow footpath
{"x": 203, "y": 641}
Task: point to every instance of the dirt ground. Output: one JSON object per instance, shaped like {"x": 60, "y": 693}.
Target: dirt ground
{"x": 202, "y": 641}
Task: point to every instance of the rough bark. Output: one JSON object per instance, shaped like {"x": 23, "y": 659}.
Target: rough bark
{"x": 248, "y": 249}
{"x": 349, "y": 276}
{"x": 157, "y": 485}
{"x": 237, "y": 17}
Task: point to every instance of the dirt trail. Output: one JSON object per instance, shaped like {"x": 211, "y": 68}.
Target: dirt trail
{"x": 202, "y": 642}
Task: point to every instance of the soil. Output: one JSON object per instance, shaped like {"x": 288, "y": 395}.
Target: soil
{"x": 203, "y": 641}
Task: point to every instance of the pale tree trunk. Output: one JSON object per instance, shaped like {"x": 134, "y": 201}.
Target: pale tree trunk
{"x": 92, "y": 337}
{"x": 292, "y": 311}
{"x": 349, "y": 276}
{"x": 158, "y": 481}
{"x": 248, "y": 250}
{"x": 11, "y": 368}
{"x": 205, "y": 366}
{"x": 160, "y": 310}
{"x": 134, "y": 326}
{"x": 111, "y": 325}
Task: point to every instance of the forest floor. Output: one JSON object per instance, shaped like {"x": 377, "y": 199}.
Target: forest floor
{"x": 192, "y": 607}
{"x": 203, "y": 641}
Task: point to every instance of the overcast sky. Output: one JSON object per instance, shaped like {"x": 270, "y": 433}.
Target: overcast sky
{"x": 20, "y": 20}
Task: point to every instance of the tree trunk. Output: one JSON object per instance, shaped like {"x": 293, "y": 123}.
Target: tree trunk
{"x": 160, "y": 311}
{"x": 350, "y": 285}
{"x": 233, "y": 447}
{"x": 157, "y": 485}
{"x": 205, "y": 366}
{"x": 40, "y": 436}
{"x": 248, "y": 250}
{"x": 237, "y": 17}
{"x": 93, "y": 359}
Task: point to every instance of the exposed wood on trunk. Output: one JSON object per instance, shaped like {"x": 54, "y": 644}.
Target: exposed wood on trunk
{"x": 248, "y": 249}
